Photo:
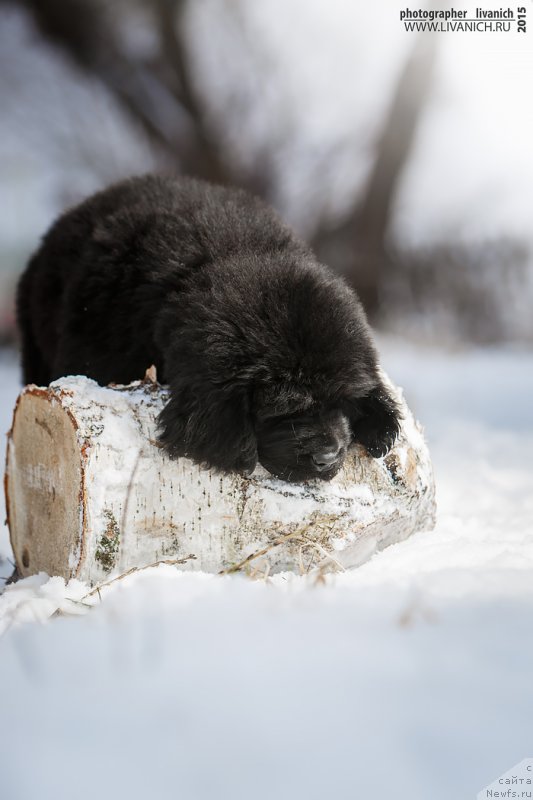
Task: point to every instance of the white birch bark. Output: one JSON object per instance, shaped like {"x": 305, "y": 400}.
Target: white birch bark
{"x": 90, "y": 494}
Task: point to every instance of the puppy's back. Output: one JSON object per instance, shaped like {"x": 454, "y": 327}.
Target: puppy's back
{"x": 88, "y": 300}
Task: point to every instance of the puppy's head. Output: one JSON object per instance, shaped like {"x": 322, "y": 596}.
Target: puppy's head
{"x": 272, "y": 362}
{"x": 301, "y": 430}
{"x": 310, "y": 443}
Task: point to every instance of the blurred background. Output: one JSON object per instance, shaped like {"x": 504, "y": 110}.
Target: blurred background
{"x": 404, "y": 158}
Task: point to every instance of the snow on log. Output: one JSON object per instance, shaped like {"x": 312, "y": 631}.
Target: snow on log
{"x": 90, "y": 493}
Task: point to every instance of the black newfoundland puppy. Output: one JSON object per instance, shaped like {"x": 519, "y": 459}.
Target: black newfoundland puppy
{"x": 268, "y": 355}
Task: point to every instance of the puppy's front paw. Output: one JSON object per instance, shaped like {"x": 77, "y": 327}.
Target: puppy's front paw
{"x": 377, "y": 436}
{"x": 378, "y": 427}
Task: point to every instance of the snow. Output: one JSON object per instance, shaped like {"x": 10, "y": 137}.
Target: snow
{"x": 409, "y": 677}
{"x": 39, "y": 597}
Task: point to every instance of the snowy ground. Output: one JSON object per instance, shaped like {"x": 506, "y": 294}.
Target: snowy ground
{"x": 409, "y": 678}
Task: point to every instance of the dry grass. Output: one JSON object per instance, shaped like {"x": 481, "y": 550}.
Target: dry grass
{"x": 172, "y": 562}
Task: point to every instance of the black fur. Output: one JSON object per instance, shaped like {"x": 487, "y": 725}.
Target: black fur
{"x": 267, "y": 353}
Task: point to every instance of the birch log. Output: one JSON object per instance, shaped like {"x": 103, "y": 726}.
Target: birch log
{"x": 90, "y": 493}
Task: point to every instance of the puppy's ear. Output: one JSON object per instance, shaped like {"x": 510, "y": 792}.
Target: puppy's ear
{"x": 212, "y": 427}
{"x": 375, "y": 420}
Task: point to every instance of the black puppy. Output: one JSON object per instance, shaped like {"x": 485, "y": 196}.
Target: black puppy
{"x": 268, "y": 355}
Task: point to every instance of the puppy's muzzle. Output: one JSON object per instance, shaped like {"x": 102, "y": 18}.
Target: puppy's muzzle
{"x": 325, "y": 459}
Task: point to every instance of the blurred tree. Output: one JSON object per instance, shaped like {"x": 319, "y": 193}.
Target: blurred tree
{"x": 90, "y": 34}
{"x": 358, "y": 244}
{"x": 159, "y": 91}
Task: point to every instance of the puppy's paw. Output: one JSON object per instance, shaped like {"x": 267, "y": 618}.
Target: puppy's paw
{"x": 377, "y": 436}
{"x": 379, "y": 424}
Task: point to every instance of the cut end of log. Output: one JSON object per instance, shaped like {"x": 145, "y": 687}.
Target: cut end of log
{"x": 44, "y": 485}
{"x": 91, "y": 494}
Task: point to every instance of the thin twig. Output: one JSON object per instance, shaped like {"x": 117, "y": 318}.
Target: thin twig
{"x": 325, "y": 553}
{"x": 168, "y": 561}
{"x": 263, "y": 551}
{"x": 128, "y": 494}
